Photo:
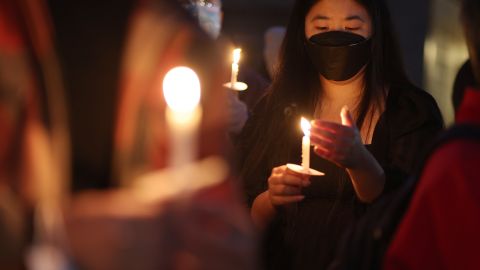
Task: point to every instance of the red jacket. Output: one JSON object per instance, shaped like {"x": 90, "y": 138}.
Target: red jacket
{"x": 440, "y": 230}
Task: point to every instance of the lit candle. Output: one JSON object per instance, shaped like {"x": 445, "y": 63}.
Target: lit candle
{"x": 181, "y": 89}
{"x": 305, "y": 167}
{"x": 305, "y": 144}
{"x": 235, "y": 67}
{"x": 234, "y": 84}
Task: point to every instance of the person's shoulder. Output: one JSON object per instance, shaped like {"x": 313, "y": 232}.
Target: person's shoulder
{"x": 460, "y": 151}
{"x": 409, "y": 108}
{"x": 414, "y": 97}
{"x": 452, "y": 160}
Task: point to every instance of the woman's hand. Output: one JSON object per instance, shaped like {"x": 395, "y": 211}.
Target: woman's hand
{"x": 285, "y": 186}
{"x": 343, "y": 145}
{"x": 340, "y": 144}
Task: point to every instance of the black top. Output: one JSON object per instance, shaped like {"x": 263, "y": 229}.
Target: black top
{"x": 304, "y": 235}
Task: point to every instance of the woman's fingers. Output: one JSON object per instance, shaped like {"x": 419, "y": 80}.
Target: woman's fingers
{"x": 332, "y": 126}
{"x": 336, "y": 154}
{"x": 289, "y": 180}
{"x": 286, "y": 187}
{"x": 327, "y": 145}
{"x": 335, "y": 157}
{"x": 287, "y": 176}
{"x": 338, "y": 131}
{"x": 281, "y": 200}
{"x": 333, "y": 141}
{"x": 284, "y": 190}
{"x": 323, "y": 134}
{"x": 279, "y": 170}
{"x": 339, "y": 145}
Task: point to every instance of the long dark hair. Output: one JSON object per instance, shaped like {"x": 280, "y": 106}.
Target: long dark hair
{"x": 296, "y": 85}
{"x": 471, "y": 21}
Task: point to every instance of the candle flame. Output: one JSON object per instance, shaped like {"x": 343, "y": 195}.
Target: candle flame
{"x": 181, "y": 89}
{"x": 237, "y": 55}
{"x": 305, "y": 125}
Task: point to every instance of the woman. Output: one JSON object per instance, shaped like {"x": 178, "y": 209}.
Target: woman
{"x": 339, "y": 66}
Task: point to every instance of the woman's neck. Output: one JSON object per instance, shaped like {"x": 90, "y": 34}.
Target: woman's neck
{"x": 343, "y": 92}
{"x": 335, "y": 95}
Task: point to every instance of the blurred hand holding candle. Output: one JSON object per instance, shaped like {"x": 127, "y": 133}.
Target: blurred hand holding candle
{"x": 181, "y": 89}
{"x": 234, "y": 83}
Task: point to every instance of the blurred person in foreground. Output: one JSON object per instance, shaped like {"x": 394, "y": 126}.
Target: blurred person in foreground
{"x": 117, "y": 227}
{"x": 34, "y": 149}
{"x": 440, "y": 227}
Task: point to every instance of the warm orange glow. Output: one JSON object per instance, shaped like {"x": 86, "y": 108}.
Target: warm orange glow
{"x": 237, "y": 53}
{"x": 305, "y": 125}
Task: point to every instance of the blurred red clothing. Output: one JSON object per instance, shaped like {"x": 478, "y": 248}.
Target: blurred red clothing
{"x": 440, "y": 228}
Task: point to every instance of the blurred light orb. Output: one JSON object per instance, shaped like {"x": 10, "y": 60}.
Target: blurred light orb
{"x": 181, "y": 89}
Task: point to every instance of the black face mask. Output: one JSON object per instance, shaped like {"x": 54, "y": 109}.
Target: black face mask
{"x": 337, "y": 55}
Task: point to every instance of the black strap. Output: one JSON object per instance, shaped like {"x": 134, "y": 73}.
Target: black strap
{"x": 456, "y": 132}
{"x": 461, "y": 131}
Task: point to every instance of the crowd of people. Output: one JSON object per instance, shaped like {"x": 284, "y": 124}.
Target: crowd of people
{"x": 85, "y": 142}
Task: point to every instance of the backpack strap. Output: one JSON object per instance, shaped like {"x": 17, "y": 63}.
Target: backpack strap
{"x": 456, "y": 132}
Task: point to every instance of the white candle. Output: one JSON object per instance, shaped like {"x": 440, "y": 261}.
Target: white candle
{"x": 181, "y": 89}
{"x": 305, "y": 144}
{"x": 235, "y": 67}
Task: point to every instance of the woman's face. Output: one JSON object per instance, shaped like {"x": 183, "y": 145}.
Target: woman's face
{"x": 338, "y": 15}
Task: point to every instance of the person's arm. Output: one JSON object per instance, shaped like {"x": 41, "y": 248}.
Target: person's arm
{"x": 262, "y": 211}
{"x": 368, "y": 177}
{"x": 238, "y": 113}
{"x": 342, "y": 145}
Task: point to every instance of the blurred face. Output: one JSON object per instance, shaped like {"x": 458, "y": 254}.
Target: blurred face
{"x": 338, "y": 15}
{"x": 208, "y": 14}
